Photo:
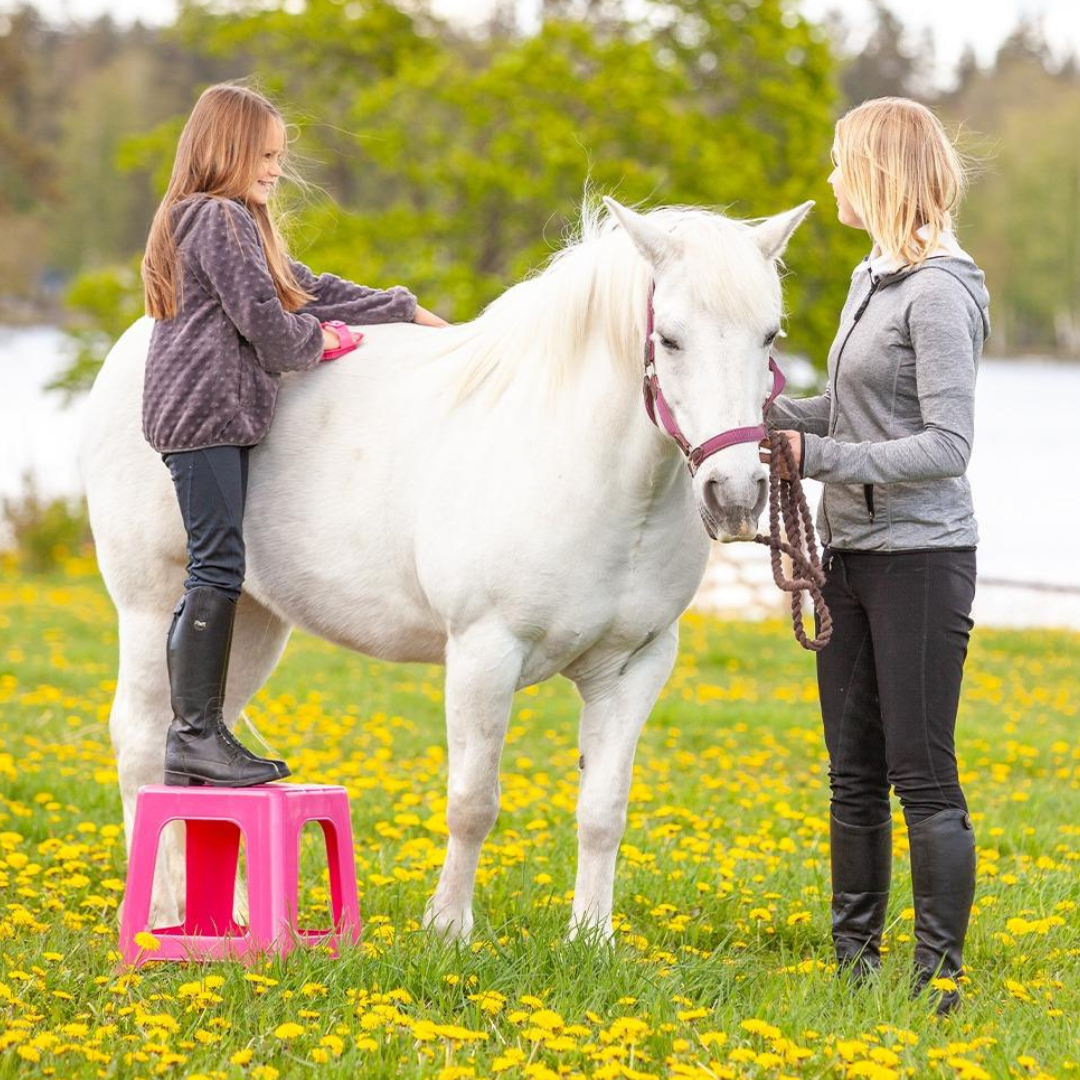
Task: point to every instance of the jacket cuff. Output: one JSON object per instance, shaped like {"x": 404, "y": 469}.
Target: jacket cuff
{"x": 408, "y": 304}
{"x": 811, "y": 455}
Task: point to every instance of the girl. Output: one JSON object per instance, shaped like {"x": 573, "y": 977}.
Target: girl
{"x": 891, "y": 438}
{"x": 234, "y": 312}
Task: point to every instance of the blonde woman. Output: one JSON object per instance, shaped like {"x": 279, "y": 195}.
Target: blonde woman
{"x": 891, "y": 438}
{"x": 234, "y": 312}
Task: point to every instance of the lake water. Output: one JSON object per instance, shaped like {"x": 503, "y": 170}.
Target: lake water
{"x": 1021, "y": 472}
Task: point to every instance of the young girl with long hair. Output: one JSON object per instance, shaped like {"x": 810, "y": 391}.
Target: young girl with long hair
{"x": 891, "y": 438}
{"x": 233, "y": 313}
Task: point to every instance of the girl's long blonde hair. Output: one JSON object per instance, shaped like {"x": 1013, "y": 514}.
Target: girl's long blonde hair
{"x": 219, "y": 154}
{"x": 901, "y": 172}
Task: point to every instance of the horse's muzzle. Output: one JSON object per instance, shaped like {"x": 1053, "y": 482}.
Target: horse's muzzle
{"x": 730, "y": 509}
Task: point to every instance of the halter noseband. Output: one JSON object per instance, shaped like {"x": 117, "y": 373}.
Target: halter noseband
{"x": 657, "y": 407}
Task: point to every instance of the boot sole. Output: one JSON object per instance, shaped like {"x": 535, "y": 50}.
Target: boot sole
{"x": 178, "y": 779}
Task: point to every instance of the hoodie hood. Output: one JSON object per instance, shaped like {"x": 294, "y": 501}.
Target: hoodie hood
{"x": 949, "y": 257}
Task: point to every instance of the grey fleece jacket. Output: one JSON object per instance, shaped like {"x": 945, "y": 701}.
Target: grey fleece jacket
{"x": 892, "y": 434}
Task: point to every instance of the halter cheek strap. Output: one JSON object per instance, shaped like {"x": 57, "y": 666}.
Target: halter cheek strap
{"x": 661, "y": 415}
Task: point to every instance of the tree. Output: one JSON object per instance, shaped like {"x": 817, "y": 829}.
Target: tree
{"x": 1022, "y": 217}
{"x": 886, "y": 66}
{"x": 458, "y": 164}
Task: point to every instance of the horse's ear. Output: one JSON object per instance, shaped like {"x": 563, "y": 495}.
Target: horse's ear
{"x": 656, "y": 245}
{"x": 772, "y": 234}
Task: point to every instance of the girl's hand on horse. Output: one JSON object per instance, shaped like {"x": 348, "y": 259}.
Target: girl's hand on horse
{"x": 795, "y": 440}
{"x": 423, "y": 317}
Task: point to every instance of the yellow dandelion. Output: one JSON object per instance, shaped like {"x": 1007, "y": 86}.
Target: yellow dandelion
{"x": 871, "y": 1070}
{"x": 759, "y": 1027}
{"x": 691, "y": 1014}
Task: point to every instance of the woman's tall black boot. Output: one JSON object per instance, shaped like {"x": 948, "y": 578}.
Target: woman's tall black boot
{"x": 861, "y": 871}
{"x": 200, "y": 749}
{"x": 943, "y": 884}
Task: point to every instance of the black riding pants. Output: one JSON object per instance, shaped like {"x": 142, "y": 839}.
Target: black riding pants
{"x": 889, "y": 680}
{"x": 211, "y": 486}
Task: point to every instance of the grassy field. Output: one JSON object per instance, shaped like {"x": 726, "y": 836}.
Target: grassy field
{"x": 722, "y": 961}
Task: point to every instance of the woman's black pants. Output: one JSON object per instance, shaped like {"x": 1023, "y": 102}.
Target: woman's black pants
{"x": 211, "y": 487}
{"x": 889, "y": 680}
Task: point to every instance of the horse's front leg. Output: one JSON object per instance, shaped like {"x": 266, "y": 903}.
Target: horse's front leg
{"x": 482, "y": 671}
{"x": 616, "y": 707}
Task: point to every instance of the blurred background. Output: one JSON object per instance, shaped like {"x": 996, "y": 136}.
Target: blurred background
{"x": 449, "y": 144}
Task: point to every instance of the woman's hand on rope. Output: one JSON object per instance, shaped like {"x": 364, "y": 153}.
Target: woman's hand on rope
{"x": 794, "y": 439}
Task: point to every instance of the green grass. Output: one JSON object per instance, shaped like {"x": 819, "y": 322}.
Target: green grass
{"x": 721, "y": 895}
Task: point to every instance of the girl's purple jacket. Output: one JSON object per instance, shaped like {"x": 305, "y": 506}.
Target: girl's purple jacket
{"x": 212, "y": 371}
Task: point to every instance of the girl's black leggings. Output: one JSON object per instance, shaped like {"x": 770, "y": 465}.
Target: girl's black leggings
{"x": 889, "y": 680}
{"x": 211, "y": 487}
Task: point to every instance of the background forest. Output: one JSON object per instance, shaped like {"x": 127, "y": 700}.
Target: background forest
{"x": 456, "y": 161}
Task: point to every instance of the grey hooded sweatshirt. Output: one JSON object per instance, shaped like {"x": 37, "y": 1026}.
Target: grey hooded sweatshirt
{"x": 892, "y": 434}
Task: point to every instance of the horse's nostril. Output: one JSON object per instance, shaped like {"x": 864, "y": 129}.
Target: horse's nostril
{"x": 762, "y": 495}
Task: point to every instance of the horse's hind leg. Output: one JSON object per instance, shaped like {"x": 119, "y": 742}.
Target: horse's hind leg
{"x": 259, "y": 639}
{"x": 141, "y": 715}
{"x": 138, "y": 724}
{"x": 482, "y": 672}
{"x": 616, "y": 707}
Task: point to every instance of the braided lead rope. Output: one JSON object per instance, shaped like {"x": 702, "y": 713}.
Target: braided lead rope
{"x": 787, "y": 498}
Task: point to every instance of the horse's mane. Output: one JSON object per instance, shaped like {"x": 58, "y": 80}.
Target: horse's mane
{"x": 597, "y": 285}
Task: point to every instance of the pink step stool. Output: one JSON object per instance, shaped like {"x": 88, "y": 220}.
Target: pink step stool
{"x": 271, "y": 818}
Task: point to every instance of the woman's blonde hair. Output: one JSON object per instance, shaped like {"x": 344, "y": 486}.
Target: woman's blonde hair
{"x": 219, "y": 154}
{"x": 901, "y": 172}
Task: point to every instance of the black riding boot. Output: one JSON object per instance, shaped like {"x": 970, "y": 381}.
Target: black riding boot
{"x": 861, "y": 870}
{"x": 200, "y": 749}
{"x": 943, "y": 884}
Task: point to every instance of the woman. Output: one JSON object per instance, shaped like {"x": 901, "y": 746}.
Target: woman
{"x": 891, "y": 438}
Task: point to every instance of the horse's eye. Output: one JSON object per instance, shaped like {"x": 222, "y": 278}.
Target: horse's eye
{"x": 669, "y": 343}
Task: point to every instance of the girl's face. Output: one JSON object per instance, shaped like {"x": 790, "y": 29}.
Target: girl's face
{"x": 266, "y": 176}
{"x": 844, "y": 210}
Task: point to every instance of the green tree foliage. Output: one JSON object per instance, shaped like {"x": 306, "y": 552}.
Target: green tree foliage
{"x": 104, "y": 303}
{"x": 28, "y": 168}
{"x": 887, "y": 64}
{"x": 1022, "y": 218}
{"x": 457, "y": 165}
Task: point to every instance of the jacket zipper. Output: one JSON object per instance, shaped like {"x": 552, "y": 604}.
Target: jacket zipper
{"x": 836, "y": 396}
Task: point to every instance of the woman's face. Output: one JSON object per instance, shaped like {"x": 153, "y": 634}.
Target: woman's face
{"x": 844, "y": 210}
{"x": 266, "y": 176}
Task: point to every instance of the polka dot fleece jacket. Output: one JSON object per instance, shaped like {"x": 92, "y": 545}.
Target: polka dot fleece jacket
{"x": 212, "y": 372}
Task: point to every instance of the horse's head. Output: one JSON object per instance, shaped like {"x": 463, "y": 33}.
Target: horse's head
{"x": 717, "y": 309}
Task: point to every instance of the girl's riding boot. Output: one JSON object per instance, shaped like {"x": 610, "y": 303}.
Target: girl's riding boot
{"x": 943, "y": 883}
{"x": 861, "y": 870}
{"x": 200, "y": 749}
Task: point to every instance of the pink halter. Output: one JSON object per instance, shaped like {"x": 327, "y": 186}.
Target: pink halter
{"x": 657, "y": 406}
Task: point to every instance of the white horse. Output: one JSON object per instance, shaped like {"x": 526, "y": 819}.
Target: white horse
{"x": 490, "y": 496}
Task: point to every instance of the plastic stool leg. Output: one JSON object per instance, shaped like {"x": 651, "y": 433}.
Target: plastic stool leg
{"x": 213, "y": 850}
{"x": 345, "y": 903}
{"x": 138, "y": 891}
